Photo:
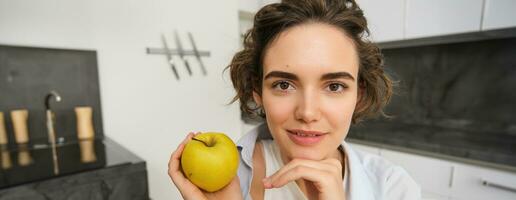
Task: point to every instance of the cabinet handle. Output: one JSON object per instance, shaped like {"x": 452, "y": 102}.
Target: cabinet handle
{"x": 498, "y": 186}
{"x": 452, "y": 176}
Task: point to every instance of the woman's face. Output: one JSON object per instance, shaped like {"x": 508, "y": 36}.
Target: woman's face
{"x": 309, "y": 90}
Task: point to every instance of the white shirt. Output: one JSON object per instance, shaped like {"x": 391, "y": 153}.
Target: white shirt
{"x": 273, "y": 163}
{"x": 371, "y": 177}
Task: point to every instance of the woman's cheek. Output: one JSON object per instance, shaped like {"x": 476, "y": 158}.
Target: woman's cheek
{"x": 339, "y": 113}
{"x": 279, "y": 108}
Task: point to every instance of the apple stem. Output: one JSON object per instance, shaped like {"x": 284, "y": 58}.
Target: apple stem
{"x": 200, "y": 141}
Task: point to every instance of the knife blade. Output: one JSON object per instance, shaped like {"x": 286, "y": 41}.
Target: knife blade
{"x": 169, "y": 56}
{"x": 196, "y": 52}
{"x": 182, "y": 52}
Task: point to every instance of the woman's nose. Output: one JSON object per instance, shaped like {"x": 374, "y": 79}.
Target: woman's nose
{"x": 308, "y": 108}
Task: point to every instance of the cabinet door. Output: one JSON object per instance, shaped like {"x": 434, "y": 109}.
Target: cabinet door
{"x": 442, "y": 17}
{"x": 499, "y": 14}
{"x": 365, "y": 148}
{"x": 472, "y": 183}
{"x": 385, "y": 18}
{"x": 432, "y": 196}
{"x": 433, "y": 175}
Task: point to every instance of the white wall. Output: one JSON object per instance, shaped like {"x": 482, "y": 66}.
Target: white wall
{"x": 144, "y": 108}
{"x": 253, "y": 6}
{"x": 249, "y": 5}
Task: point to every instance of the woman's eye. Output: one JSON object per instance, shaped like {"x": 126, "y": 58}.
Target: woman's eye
{"x": 336, "y": 87}
{"x": 283, "y": 85}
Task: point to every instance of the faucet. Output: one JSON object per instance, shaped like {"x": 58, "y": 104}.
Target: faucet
{"x": 49, "y": 96}
{"x": 50, "y": 127}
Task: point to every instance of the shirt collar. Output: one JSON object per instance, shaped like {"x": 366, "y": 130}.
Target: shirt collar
{"x": 247, "y": 142}
{"x": 359, "y": 185}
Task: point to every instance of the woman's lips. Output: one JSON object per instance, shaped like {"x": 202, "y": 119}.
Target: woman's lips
{"x": 305, "y": 138}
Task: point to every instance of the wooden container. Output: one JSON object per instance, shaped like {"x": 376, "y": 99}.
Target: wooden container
{"x": 6, "y": 159}
{"x": 21, "y": 132}
{"x": 24, "y": 158}
{"x": 3, "y": 132}
{"x": 84, "y": 123}
{"x": 87, "y": 151}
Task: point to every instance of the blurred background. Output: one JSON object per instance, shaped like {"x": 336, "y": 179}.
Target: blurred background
{"x": 120, "y": 83}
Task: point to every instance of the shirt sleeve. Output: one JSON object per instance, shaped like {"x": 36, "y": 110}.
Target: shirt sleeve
{"x": 400, "y": 186}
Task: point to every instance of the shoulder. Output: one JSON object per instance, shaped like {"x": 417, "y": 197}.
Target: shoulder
{"x": 391, "y": 180}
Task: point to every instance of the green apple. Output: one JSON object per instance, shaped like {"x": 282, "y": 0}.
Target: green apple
{"x": 210, "y": 161}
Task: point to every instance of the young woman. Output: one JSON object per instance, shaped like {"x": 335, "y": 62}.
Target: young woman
{"x": 311, "y": 74}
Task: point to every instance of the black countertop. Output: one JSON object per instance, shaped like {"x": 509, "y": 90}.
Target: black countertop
{"x": 13, "y": 172}
{"x": 494, "y": 149}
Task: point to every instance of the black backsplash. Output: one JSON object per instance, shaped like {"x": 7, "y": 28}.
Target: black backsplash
{"x": 456, "y": 99}
{"x": 27, "y": 74}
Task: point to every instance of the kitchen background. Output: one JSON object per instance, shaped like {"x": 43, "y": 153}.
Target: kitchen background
{"x": 465, "y": 151}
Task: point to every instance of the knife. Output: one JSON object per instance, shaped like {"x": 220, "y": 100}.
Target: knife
{"x": 196, "y": 52}
{"x": 169, "y": 56}
{"x": 182, "y": 53}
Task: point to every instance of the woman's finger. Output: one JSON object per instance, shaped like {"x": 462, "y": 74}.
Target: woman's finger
{"x": 328, "y": 185}
{"x": 186, "y": 188}
{"x": 179, "y": 150}
{"x": 322, "y": 166}
{"x": 175, "y": 160}
{"x": 318, "y": 177}
{"x": 337, "y": 165}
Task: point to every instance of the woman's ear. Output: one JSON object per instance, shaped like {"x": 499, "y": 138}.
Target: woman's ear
{"x": 257, "y": 98}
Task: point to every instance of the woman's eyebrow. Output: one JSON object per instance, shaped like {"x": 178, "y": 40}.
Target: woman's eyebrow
{"x": 337, "y": 75}
{"x": 281, "y": 74}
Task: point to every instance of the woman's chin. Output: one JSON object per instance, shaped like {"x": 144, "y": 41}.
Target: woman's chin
{"x": 307, "y": 156}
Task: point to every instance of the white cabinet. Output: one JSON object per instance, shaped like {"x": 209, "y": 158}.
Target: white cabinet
{"x": 442, "y": 17}
{"x": 408, "y": 19}
{"x": 477, "y": 183}
{"x": 385, "y": 19}
{"x": 499, "y": 14}
{"x": 432, "y": 196}
{"x": 433, "y": 175}
{"x": 443, "y": 179}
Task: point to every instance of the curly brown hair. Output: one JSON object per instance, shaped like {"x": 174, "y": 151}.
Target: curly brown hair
{"x": 246, "y": 71}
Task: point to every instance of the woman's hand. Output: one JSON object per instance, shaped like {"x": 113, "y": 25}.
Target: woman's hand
{"x": 191, "y": 192}
{"x": 325, "y": 175}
